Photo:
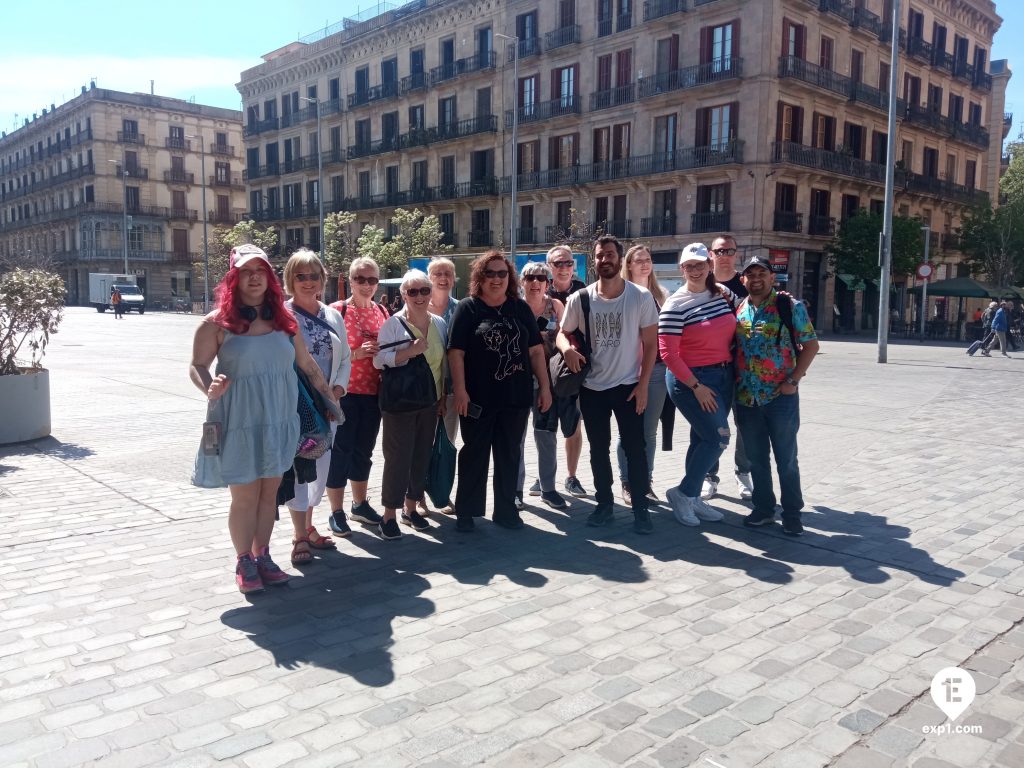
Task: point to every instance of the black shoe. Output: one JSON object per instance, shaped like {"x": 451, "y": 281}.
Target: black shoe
{"x": 757, "y": 517}
{"x": 465, "y": 525}
{"x": 511, "y": 523}
{"x": 791, "y": 526}
{"x": 642, "y": 521}
{"x": 388, "y": 529}
{"x": 365, "y": 514}
{"x": 601, "y": 516}
{"x": 339, "y": 525}
{"x": 415, "y": 520}
{"x": 554, "y": 499}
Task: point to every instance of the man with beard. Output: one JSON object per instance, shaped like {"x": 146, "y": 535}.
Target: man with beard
{"x": 624, "y": 344}
{"x": 774, "y": 348}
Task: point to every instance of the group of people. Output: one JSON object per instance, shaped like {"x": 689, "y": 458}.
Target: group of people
{"x": 996, "y": 328}
{"x": 722, "y": 342}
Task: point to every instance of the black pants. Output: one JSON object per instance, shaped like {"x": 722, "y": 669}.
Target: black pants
{"x": 408, "y": 440}
{"x": 351, "y": 456}
{"x": 497, "y": 431}
{"x": 597, "y": 408}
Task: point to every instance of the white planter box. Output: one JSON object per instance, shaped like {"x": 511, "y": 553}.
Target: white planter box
{"x": 25, "y": 407}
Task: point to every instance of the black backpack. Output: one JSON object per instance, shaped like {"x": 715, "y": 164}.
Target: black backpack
{"x": 784, "y": 303}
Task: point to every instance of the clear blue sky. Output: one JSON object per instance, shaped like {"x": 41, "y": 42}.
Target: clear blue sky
{"x": 198, "y": 49}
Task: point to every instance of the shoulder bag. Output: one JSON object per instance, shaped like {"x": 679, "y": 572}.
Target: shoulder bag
{"x": 565, "y": 383}
{"x": 408, "y": 387}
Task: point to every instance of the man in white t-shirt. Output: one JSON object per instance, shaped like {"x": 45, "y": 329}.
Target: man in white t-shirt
{"x": 624, "y": 345}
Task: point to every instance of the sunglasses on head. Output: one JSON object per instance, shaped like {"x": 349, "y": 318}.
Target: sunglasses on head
{"x": 724, "y": 251}
{"x": 561, "y": 264}
{"x": 360, "y": 280}
{"x": 425, "y": 291}
{"x": 499, "y": 273}
{"x": 312, "y": 277}
{"x": 535, "y": 278}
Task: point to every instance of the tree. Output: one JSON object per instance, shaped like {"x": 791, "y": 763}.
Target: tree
{"x": 339, "y": 245}
{"x": 579, "y": 234}
{"x": 854, "y": 250}
{"x": 223, "y": 239}
{"x": 415, "y": 237}
{"x": 993, "y": 241}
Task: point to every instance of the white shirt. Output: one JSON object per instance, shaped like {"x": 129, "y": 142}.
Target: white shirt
{"x": 617, "y": 352}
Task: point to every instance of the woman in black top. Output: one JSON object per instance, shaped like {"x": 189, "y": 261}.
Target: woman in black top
{"x": 494, "y": 352}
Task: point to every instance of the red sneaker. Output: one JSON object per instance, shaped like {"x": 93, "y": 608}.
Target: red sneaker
{"x": 268, "y": 570}
{"x": 247, "y": 575}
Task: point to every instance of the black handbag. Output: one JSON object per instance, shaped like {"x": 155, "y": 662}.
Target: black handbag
{"x": 564, "y": 382}
{"x": 408, "y": 387}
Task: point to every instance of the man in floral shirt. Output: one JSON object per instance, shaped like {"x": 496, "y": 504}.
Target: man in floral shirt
{"x": 769, "y": 366}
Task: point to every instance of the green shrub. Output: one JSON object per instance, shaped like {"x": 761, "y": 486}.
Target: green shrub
{"x": 31, "y": 308}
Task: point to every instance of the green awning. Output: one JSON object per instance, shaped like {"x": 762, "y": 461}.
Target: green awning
{"x": 851, "y": 282}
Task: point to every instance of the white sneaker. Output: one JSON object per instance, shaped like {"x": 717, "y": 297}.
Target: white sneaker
{"x": 535, "y": 488}
{"x": 709, "y": 489}
{"x": 682, "y": 507}
{"x": 745, "y": 485}
{"x": 704, "y": 511}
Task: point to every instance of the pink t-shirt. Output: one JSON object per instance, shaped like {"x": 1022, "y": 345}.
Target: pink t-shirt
{"x": 362, "y": 324}
{"x": 696, "y": 329}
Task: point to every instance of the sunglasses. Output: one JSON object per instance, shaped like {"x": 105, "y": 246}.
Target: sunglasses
{"x": 360, "y": 280}
{"x": 312, "y": 277}
{"x": 418, "y": 291}
{"x": 561, "y": 264}
{"x": 535, "y": 278}
{"x": 499, "y": 273}
{"x": 695, "y": 266}
{"x": 724, "y": 251}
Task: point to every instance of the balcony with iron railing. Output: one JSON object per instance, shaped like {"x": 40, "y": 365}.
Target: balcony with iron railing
{"x": 657, "y": 9}
{"x": 561, "y": 37}
{"x": 421, "y": 137}
{"x": 332, "y": 106}
{"x": 261, "y": 126}
{"x": 223, "y": 217}
{"x": 950, "y": 242}
{"x": 709, "y": 221}
{"x": 821, "y": 226}
{"x": 663, "y": 225}
{"x": 605, "y": 27}
{"x": 179, "y": 177}
{"x": 545, "y": 110}
{"x": 131, "y": 138}
{"x": 480, "y": 61}
{"x": 380, "y": 92}
{"x": 919, "y": 48}
{"x": 173, "y": 142}
{"x": 454, "y": 191}
{"x": 450, "y": 238}
{"x": 227, "y": 150}
{"x": 829, "y": 80}
{"x": 481, "y": 238}
{"x": 62, "y": 144}
{"x": 613, "y": 97}
{"x": 417, "y": 81}
{"x": 299, "y": 116}
{"x": 787, "y": 221}
{"x": 132, "y": 172}
{"x": 688, "y": 158}
{"x": 261, "y": 172}
{"x": 946, "y": 126}
{"x": 529, "y": 47}
{"x": 87, "y": 169}
{"x": 226, "y": 180}
{"x": 691, "y": 77}
{"x": 556, "y": 233}
{"x": 826, "y": 160}
{"x": 868, "y": 21}
{"x": 618, "y": 227}
{"x": 526, "y": 235}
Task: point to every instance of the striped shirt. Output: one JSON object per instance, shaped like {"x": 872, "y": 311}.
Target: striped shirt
{"x": 696, "y": 329}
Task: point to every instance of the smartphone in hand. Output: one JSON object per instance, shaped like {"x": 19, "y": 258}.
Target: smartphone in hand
{"x": 473, "y": 411}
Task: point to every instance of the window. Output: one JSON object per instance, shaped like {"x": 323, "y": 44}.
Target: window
{"x": 934, "y": 99}
{"x": 178, "y": 203}
{"x": 604, "y": 72}
{"x": 718, "y": 45}
{"x": 716, "y": 126}
{"x": 564, "y": 85}
{"x": 930, "y": 163}
{"x": 362, "y": 76}
{"x": 563, "y": 215}
{"x": 879, "y": 147}
{"x": 907, "y": 155}
{"x": 602, "y": 145}
{"x": 826, "y": 53}
{"x": 849, "y": 206}
{"x": 912, "y": 90}
{"x": 974, "y": 114}
{"x": 527, "y": 95}
{"x": 419, "y": 175}
{"x": 713, "y": 198}
{"x": 222, "y": 173}
{"x": 130, "y": 128}
{"x": 970, "y": 171}
{"x": 854, "y": 139}
{"x": 334, "y": 88}
{"x": 176, "y": 134}
{"x": 481, "y": 165}
{"x": 483, "y": 102}
{"x": 446, "y": 222}
{"x": 951, "y": 168}
{"x": 447, "y": 116}
{"x": 448, "y": 171}
{"x": 620, "y": 141}
{"x": 665, "y": 133}
{"x": 526, "y": 26}
{"x": 364, "y": 185}
{"x": 528, "y": 157}
{"x": 417, "y": 119}
{"x": 793, "y": 39}
{"x": 563, "y": 151}
{"x": 956, "y": 108}
{"x": 823, "y": 131}
{"x": 666, "y": 55}
{"x": 789, "y": 123}
{"x": 884, "y": 74}
{"x": 131, "y": 199}
{"x": 363, "y": 133}
{"x": 856, "y": 66}
{"x": 179, "y": 242}
{"x": 337, "y": 189}
{"x": 785, "y": 198}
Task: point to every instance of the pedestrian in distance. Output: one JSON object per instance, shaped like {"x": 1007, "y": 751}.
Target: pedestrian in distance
{"x": 775, "y": 344}
{"x": 409, "y": 435}
{"x": 323, "y": 331}
{"x": 1000, "y": 329}
{"x": 252, "y": 431}
{"x": 623, "y": 326}
{"x": 695, "y": 335}
{"x": 118, "y": 302}
{"x": 495, "y": 353}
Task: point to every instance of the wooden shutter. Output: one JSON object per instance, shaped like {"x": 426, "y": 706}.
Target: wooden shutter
{"x": 735, "y": 37}
{"x": 623, "y": 68}
{"x": 701, "y": 128}
{"x": 734, "y": 120}
{"x": 673, "y": 53}
{"x": 705, "y": 44}
{"x": 553, "y": 153}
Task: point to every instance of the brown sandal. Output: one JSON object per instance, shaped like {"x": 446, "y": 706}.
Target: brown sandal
{"x": 318, "y": 541}
{"x": 301, "y": 556}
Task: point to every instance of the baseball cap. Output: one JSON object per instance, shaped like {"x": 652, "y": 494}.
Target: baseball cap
{"x": 243, "y": 254}
{"x": 992, "y": 305}
{"x": 694, "y": 252}
{"x": 757, "y": 261}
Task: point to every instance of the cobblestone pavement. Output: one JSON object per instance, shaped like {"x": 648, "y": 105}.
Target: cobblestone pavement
{"x": 123, "y": 640}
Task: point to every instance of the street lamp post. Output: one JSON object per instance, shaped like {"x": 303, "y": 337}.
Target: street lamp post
{"x": 514, "y": 39}
{"x": 124, "y": 209}
{"x": 206, "y": 217}
{"x": 924, "y": 284}
{"x": 315, "y": 101}
{"x": 885, "y": 239}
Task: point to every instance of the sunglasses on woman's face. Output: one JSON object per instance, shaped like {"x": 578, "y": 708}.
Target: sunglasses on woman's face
{"x": 535, "y": 278}
{"x": 499, "y": 273}
{"x": 360, "y": 280}
{"x": 418, "y": 291}
{"x": 312, "y": 277}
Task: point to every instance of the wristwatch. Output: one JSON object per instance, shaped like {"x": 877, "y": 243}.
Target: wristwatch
{"x": 695, "y": 385}
{"x": 792, "y": 382}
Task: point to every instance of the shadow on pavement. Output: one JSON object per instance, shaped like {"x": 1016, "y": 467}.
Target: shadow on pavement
{"x": 340, "y": 613}
{"x": 50, "y": 446}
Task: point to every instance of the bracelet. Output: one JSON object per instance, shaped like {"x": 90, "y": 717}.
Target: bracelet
{"x": 792, "y": 382}
{"x": 695, "y": 385}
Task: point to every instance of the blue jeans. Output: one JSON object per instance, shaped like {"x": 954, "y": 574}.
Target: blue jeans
{"x": 773, "y": 426}
{"x": 709, "y": 432}
{"x": 656, "y": 392}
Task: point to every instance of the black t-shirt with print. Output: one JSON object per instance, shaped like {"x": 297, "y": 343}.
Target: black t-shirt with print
{"x": 735, "y": 284}
{"x": 574, "y": 286}
{"x": 496, "y": 341}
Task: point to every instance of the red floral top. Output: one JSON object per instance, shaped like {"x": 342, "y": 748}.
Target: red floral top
{"x": 362, "y": 324}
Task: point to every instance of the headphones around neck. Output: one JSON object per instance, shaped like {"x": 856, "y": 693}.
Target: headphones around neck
{"x": 249, "y": 313}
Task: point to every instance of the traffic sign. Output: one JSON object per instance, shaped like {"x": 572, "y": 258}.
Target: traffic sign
{"x": 924, "y": 271}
